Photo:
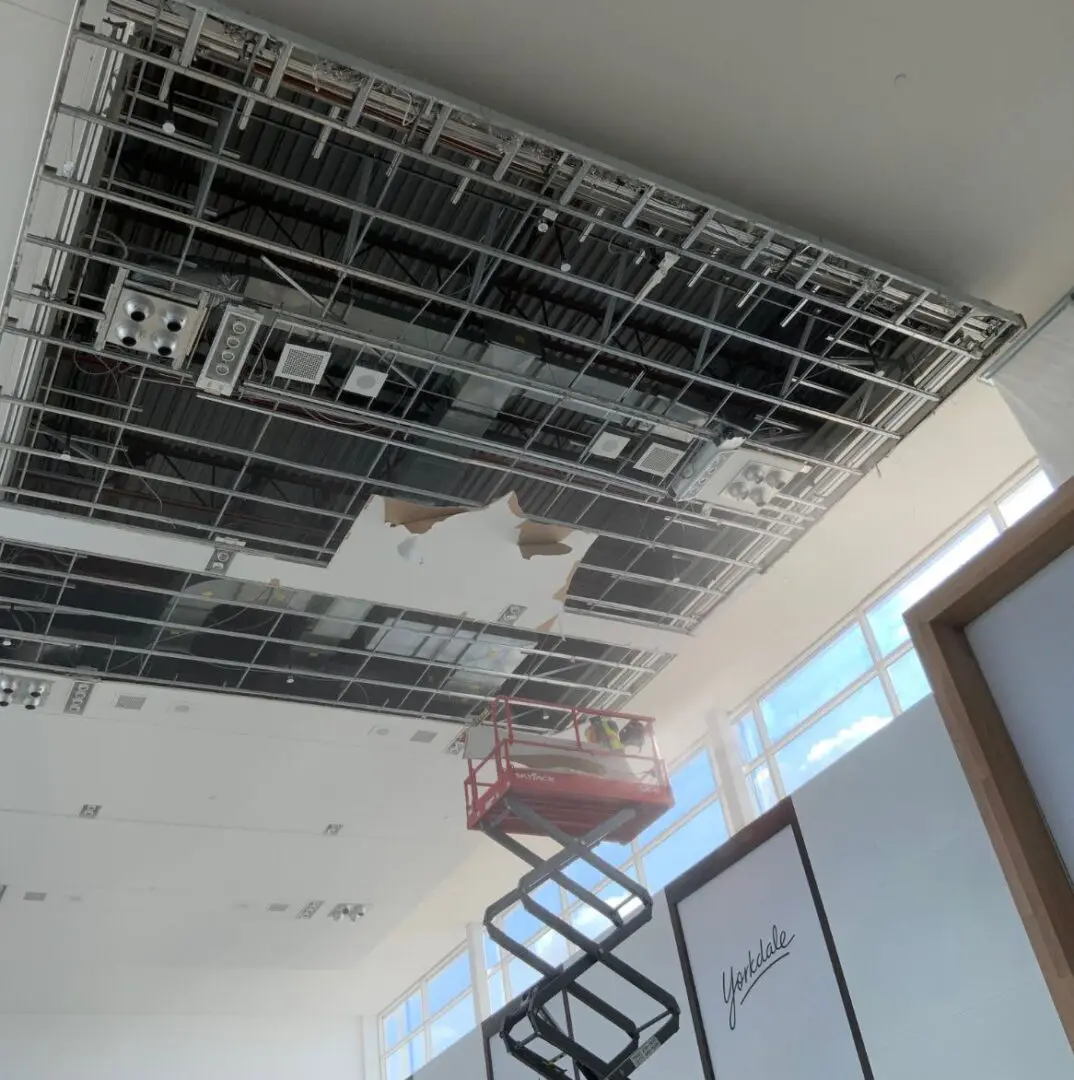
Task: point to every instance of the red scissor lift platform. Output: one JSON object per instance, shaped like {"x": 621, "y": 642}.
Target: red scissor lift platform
{"x": 568, "y": 778}
{"x": 592, "y": 776}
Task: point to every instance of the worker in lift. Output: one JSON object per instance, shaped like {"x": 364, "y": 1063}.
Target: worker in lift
{"x": 633, "y": 734}
{"x": 600, "y": 731}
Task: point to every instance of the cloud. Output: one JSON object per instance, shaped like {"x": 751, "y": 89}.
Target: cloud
{"x": 846, "y": 738}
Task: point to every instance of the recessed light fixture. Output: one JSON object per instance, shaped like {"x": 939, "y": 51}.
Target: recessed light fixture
{"x": 352, "y": 911}
{"x": 228, "y": 351}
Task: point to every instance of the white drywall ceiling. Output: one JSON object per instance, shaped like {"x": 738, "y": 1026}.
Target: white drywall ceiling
{"x": 961, "y": 171}
{"x": 209, "y": 815}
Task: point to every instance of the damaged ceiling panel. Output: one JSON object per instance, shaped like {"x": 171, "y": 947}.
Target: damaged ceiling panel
{"x": 460, "y": 382}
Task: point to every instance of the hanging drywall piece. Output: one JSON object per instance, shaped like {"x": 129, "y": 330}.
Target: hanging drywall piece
{"x": 490, "y": 564}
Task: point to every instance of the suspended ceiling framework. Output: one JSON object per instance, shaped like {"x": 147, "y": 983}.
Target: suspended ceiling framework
{"x": 442, "y": 308}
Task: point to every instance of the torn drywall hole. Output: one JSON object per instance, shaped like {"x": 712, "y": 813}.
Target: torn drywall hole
{"x": 461, "y": 561}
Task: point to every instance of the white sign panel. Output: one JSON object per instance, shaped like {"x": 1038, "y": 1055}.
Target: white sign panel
{"x": 766, "y": 989}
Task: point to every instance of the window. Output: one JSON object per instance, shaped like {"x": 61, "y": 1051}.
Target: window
{"x": 815, "y": 682}
{"x": 508, "y": 975}
{"x": 865, "y": 675}
{"x": 683, "y": 847}
{"x": 1024, "y": 497}
{"x": 885, "y": 619}
{"x": 846, "y": 725}
{"x": 429, "y": 1019}
{"x": 908, "y": 679}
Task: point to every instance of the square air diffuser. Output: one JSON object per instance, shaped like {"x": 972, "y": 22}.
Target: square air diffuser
{"x": 659, "y": 459}
{"x": 365, "y": 382}
{"x": 608, "y": 445}
{"x": 302, "y": 364}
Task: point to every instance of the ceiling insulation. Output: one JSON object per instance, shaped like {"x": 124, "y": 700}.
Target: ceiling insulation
{"x": 354, "y": 288}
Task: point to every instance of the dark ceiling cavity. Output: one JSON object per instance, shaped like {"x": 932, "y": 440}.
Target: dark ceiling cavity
{"x": 462, "y": 310}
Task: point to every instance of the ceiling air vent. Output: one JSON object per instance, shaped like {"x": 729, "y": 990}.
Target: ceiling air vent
{"x": 301, "y": 364}
{"x": 423, "y": 736}
{"x": 276, "y": 909}
{"x": 365, "y": 382}
{"x": 36, "y": 896}
{"x": 659, "y": 459}
{"x": 608, "y": 445}
{"x": 130, "y": 701}
{"x": 309, "y": 909}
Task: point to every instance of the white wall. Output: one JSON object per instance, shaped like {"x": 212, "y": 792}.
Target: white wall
{"x": 1023, "y": 647}
{"x": 941, "y": 971}
{"x": 937, "y": 962}
{"x": 178, "y": 1048}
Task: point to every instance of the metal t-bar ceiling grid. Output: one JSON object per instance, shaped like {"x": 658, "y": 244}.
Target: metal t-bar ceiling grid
{"x": 518, "y": 299}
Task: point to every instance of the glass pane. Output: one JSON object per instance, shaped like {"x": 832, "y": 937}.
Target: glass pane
{"x": 1024, "y": 497}
{"x": 520, "y": 976}
{"x": 550, "y": 947}
{"x": 703, "y": 833}
{"x": 492, "y": 951}
{"x": 402, "y": 1021}
{"x": 909, "y": 680}
{"x": 885, "y": 619}
{"x": 586, "y": 876}
{"x": 815, "y": 682}
{"x": 763, "y": 788}
{"x": 691, "y": 783}
{"x": 747, "y": 739}
{"x": 447, "y": 984}
{"x": 866, "y": 711}
{"x": 407, "y": 1059}
{"x": 521, "y": 925}
{"x": 496, "y": 993}
{"x": 412, "y": 1010}
{"x": 393, "y": 1028}
{"x": 452, "y": 1025}
{"x": 590, "y": 921}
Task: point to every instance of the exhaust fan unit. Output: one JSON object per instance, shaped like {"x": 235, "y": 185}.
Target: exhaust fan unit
{"x": 660, "y": 459}
{"x": 302, "y": 364}
{"x": 159, "y": 325}
{"x": 734, "y": 476}
{"x": 227, "y": 354}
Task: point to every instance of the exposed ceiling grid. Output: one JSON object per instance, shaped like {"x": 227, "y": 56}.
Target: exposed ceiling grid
{"x": 451, "y": 311}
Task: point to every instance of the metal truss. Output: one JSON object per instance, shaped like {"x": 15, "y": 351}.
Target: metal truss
{"x": 60, "y": 611}
{"x": 404, "y": 231}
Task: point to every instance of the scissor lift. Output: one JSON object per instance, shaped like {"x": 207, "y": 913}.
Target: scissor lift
{"x": 578, "y": 787}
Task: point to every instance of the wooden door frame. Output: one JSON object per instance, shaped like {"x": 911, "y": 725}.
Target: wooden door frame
{"x": 1035, "y": 871}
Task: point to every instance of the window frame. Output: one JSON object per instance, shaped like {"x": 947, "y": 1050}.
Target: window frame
{"x": 428, "y": 1019}
{"x": 881, "y": 662}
